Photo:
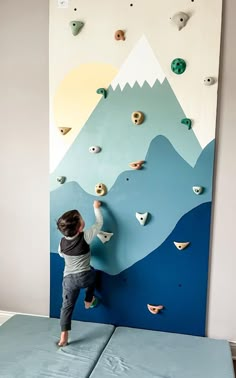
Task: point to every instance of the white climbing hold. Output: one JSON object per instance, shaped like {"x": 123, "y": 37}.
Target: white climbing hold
{"x": 198, "y": 189}
{"x": 209, "y": 81}
{"x": 181, "y": 245}
{"x": 154, "y": 309}
{"x": 180, "y": 19}
{"x": 100, "y": 189}
{"x": 137, "y": 118}
{"x": 142, "y": 217}
{"x": 94, "y": 149}
{"x": 104, "y": 236}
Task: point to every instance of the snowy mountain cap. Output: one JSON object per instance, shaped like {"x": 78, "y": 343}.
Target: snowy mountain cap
{"x": 141, "y": 65}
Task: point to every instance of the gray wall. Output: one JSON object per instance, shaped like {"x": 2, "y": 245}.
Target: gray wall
{"x": 24, "y": 157}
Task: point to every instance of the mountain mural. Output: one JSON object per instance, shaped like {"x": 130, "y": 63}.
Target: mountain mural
{"x": 140, "y": 265}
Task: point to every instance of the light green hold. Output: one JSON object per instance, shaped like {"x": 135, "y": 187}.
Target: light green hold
{"x": 178, "y": 66}
{"x": 102, "y": 91}
{"x": 76, "y": 26}
{"x": 187, "y": 122}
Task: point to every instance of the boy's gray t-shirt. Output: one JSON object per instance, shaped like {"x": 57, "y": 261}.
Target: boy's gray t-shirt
{"x": 76, "y": 250}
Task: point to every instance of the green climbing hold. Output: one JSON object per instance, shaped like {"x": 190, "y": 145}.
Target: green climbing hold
{"x": 102, "y": 91}
{"x": 95, "y": 303}
{"x": 187, "y": 122}
{"x": 76, "y": 26}
{"x": 178, "y": 66}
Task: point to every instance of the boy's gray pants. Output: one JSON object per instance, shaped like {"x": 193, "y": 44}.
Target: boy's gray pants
{"x": 71, "y": 285}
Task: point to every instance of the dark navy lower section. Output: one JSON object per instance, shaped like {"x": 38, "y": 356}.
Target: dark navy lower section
{"x": 169, "y": 277}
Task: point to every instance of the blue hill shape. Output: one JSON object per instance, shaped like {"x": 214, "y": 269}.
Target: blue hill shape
{"x": 111, "y": 128}
{"x": 163, "y": 189}
{"x": 167, "y": 276}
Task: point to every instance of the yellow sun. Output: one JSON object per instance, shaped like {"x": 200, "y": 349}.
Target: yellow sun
{"x": 76, "y": 96}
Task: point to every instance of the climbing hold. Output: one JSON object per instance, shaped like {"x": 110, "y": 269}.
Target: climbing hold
{"x": 137, "y": 118}
{"x": 120, "y": 35}
{"x": 198, "y": 189}
{"x": 180, "y": 19}
{"x": 209, "y": 81}
{"x": 100, "y": 189}
{"x": 142, "y": 218}
{"x": 94, "y": 149}
{"x": 187, "y": 122}
{"x": 76, "y": 26}
{"x": 64, "y": 130}
{"x": 95, "y": 303}
{"x": 61, "y": 179}
{"x": 181, "y": 245}
{"x": 104, "y": 236}
{"x": 178, "y": 66}
{"x": 137, "y": 164}
{"x": 102, "y": 91}
{"x": 155, "y": 309}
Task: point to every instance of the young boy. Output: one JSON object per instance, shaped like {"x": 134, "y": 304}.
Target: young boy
{"x": 74, "y": 248}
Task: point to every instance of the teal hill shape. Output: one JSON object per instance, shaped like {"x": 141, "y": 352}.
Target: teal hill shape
{"x": 164, "y": 190}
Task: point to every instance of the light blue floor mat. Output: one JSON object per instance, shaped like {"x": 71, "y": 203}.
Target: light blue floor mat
{"x": 137, "y": 353}
{"x": 28, "y": 348}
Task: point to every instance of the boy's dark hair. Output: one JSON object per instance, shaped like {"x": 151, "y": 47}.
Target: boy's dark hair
{"x": 69, "y": 223}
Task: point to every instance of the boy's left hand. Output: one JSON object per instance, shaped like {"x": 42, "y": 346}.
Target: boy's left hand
{"x": 97, "y": 204}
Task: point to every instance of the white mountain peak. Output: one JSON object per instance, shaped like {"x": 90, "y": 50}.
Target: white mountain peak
{"x": 141, "y": 65}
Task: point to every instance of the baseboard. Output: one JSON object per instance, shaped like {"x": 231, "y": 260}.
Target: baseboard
{"x": 5, "y": 315}
{"x": 233, "y": 349}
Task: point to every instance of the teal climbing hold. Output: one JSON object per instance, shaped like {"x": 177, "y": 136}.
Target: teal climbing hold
{"x": 102, "y": 91}
{"x": 187, "y": 122}
{"x": 76, "y": 26}
{"x": 178, "y": 66}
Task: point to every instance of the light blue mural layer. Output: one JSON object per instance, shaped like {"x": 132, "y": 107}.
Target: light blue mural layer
{"x": 163, "y": 188}
{"x": 122, "y": 142}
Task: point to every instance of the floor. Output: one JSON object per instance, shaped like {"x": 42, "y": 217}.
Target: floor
{"x": 5, "y": 316}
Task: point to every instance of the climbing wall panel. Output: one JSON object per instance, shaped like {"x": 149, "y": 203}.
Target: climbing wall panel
{"x": 132, "y": 123}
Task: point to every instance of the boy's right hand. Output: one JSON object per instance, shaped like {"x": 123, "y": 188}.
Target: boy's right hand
{"x": 97, "y": 204}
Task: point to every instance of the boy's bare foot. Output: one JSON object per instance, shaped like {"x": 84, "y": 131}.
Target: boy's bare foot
{"x": 87, "y": 305}
{"x": 64, "y": 339}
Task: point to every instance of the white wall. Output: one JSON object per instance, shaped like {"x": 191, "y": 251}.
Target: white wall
{"x": 222, "y": 295}
{"x": 24, "y": 157}
{"x": 24, "y": 161}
